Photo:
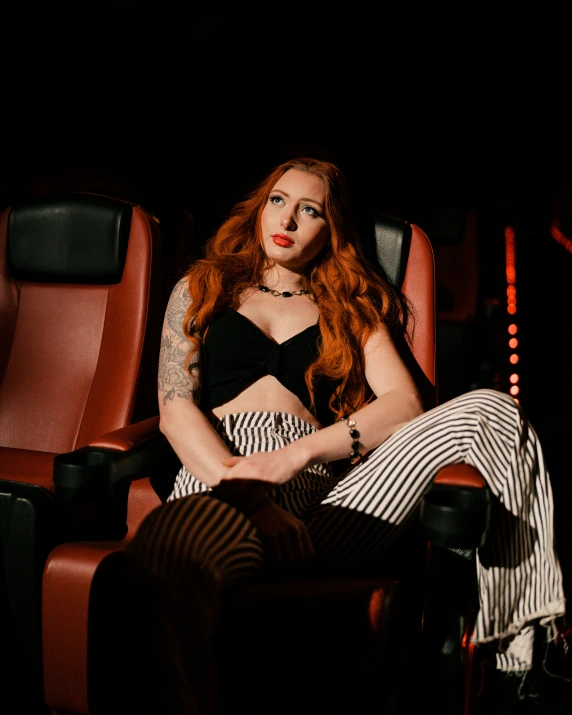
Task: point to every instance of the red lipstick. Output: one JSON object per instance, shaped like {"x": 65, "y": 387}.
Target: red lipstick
{"x": 281, "y": 240}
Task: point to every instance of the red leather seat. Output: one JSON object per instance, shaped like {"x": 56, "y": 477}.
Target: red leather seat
{"x": 460, "y": 308}
{"x": 80, "y": 321}
{"x": 343, "y": 634}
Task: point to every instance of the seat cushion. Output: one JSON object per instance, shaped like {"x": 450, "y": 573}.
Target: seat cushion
{"x": 142, "y": 499}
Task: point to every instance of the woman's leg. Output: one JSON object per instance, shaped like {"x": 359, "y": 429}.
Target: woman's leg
{"x": 183, "y": 554}
{"x": 519, "y": 576}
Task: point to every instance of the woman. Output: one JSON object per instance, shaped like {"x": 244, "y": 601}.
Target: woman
{"x": 284, "y": 396}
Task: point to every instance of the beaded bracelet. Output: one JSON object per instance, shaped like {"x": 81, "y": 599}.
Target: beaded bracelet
{"x": 354, "y": 434}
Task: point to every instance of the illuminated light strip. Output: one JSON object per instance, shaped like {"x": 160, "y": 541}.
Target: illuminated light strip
{"x": 510, "y": 269}
{"x": 563, "y": 240}
{"x": 510, "y": 255}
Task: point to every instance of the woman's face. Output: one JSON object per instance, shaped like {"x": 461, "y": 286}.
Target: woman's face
{"x": 293, "y": 222}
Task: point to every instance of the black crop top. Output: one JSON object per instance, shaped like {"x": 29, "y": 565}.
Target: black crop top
{"x": 236, "y": 353}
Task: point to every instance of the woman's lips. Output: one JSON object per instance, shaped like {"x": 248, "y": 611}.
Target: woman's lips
{"x": 281, "y": 240}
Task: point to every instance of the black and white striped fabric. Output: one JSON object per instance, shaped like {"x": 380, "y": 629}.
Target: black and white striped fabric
{"x": 353, "y": 517}
{"x": 250, "y": 432}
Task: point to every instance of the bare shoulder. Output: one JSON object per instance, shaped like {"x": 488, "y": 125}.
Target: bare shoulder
{"x": 174, "y": 378}
{"x": 177, "y": 306}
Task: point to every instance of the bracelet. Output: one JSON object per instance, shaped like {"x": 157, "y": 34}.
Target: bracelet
{"x": 354, "y": 434}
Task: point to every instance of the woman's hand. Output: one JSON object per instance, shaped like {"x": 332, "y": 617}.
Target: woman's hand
{"x": 277, "y": 467}
{"x": 285, "y": 537}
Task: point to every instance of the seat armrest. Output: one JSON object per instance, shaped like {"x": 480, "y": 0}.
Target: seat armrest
{"x": 130, "y": 436}
{"x": 462, "y": 475}
{"x": 77, "y": 577}
{"x": 91, "y": 484}
{"x": 455, "y": 511}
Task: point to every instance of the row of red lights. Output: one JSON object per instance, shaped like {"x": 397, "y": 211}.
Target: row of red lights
{"x": 510, "y": 261}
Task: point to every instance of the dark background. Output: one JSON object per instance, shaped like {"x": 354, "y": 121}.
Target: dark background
{"x": 433, "y": 114}
{"x": 183, "y": 106}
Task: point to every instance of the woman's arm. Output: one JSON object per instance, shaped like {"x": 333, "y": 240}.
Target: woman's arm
{"x": 188, "y": 430}
{"x": 397, "y": 402}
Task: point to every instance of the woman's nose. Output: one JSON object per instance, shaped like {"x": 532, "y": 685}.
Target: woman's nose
{"x": 288, "y": 221}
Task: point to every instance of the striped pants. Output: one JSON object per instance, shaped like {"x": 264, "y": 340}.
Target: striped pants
{"x": 353, "y": 518}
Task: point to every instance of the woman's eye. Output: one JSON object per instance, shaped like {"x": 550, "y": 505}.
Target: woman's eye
{"x": 275, "y": 200}
{"x": 310, "y": 210}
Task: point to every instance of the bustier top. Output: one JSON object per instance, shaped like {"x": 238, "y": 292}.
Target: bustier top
{"x": 236, "y": 353}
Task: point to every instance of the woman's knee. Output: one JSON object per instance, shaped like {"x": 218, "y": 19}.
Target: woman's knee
{"x": 488, "y": 399}
{"x": 190, "y": 534}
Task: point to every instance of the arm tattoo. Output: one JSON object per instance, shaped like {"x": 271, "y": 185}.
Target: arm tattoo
{"x": 174, "y": 379}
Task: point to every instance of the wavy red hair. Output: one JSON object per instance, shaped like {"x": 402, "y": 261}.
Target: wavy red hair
{"x": 351, "y": 296}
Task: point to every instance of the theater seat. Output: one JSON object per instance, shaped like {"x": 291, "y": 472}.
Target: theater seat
{"x": 460, "y": 330}
{"x": 80, "y": 321}
{"x": 344, "y": 643}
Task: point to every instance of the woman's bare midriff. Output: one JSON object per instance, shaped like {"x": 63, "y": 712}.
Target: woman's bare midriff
{"x": 266, "y": 395}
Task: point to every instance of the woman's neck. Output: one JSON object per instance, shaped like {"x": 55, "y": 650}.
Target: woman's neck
{"x": 278, "y": 278}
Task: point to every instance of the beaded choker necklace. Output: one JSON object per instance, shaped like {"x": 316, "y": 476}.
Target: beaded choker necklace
{"x": 284, "y": 293}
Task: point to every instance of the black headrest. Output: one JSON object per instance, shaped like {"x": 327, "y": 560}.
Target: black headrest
{"x": 386, "y": 241}
{"x": 80, "y": 238}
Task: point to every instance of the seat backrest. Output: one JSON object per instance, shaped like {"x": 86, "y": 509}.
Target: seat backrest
{"x": 404, "y": 254}
{"x": 80, "y": 302}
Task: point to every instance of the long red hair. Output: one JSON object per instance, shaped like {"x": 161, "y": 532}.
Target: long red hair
{"x": 351, "y": 296}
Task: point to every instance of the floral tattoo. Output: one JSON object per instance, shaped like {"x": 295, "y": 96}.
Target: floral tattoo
{"x": 174, "y": 379}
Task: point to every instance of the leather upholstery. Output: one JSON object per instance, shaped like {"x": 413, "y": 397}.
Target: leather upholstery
{"x": 80, "y": 322}
{"x": 27, "y": 465}
{"x": 390, "y": 247}
{"x": 43, "y": 239}
{"x": 419, "y": 287}
{"x": 70, "y": 580}
{"x": 70, "y": 353}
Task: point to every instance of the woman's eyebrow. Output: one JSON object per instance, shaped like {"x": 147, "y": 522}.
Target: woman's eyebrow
{"x": 302, "y": 198}
{"x": 314, "y": 201}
